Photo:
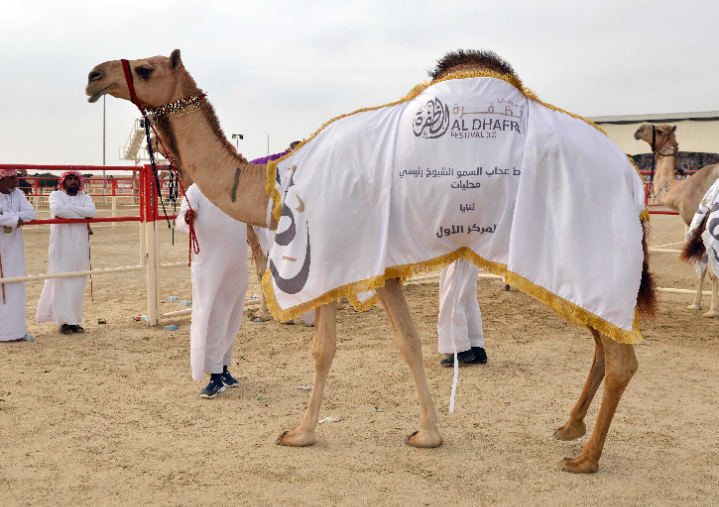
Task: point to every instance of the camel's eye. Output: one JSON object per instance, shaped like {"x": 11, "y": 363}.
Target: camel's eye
{"x": 659, "y": 131}
{"x": 144, "y": 72}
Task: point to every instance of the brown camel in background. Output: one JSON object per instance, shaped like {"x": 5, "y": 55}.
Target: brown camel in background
{"x": 680, "y": 195}
{"x": 239, "y": 189}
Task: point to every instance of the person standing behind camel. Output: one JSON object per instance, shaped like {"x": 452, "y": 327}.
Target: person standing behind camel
{"x": 15, "y": 210}
{"x": 61, "y": 298}
{"x": 220, "y": 274}
{"x": 459, "y": 326}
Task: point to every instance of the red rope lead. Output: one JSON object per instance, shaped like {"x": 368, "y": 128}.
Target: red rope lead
{"x": 194, "y": 244}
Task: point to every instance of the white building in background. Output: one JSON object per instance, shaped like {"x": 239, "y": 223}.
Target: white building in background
{"x": 696, "y": 132}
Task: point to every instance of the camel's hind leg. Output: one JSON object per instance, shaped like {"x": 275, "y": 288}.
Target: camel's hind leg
{"x": 410, "y": 346}
{"x": 697, "y": 303}
{"x": 621, "y": 364}
{"x": 575, "y": 427}
{"x": 713, "y": 310}
{"x": 323, "y": 351}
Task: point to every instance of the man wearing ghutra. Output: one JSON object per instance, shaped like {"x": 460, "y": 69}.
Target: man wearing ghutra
{"x": 61, "y": 299}
{"x": 15, "y": 210}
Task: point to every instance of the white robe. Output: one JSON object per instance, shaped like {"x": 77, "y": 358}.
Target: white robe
{"x": 61, "y": 299}
{"x": 220, "y": 274}
{"x": 12, "y": 313}
{"x": 460, "y": 320}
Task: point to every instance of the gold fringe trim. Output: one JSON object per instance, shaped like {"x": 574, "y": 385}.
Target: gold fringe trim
{"x": 565, "y": 309}
{"x": 644, "y": 216}
{"x": 573, "y": 313}
{"x": 271, "y": 189}
{"x": 363, "y": 307}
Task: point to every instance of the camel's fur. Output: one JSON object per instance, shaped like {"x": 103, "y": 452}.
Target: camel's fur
{"x": 203, "y": 150}
{"x": 683, "y": 195}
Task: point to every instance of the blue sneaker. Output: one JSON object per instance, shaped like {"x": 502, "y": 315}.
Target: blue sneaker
{"x": 28, "y": 337}
{"x": 229, "y": 380}
{"x": 212, "y": 390}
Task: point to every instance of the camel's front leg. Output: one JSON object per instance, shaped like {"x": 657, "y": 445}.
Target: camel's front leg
{"x": 323, "y": 351}
{"x": 621, "y": 364}
{"x": 713, "y": 310}
{"x": 260, "y": 267}
{"x": 697, "y": 303}
{"x": 575, "y": 427}
{"x": 410, "y": 346}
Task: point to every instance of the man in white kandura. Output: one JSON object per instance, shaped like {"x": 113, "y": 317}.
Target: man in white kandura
{"x": 61, "y": 299}
{"x": 220, "y": 274}
{"x": 15, "y": 210}
{"x": 460, "y": 321}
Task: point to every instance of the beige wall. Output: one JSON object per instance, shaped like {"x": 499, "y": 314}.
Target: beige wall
{"x": 700, "y": 136}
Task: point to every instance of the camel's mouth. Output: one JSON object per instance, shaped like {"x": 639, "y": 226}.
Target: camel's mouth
{"x": 96, "y": 96}
{"x": 638, "y": 135}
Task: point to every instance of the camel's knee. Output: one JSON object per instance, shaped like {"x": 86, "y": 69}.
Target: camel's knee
{"x": 622, "y": 367}
{"x": 323, "y": 351}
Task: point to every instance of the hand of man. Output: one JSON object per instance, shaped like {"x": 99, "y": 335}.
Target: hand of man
{"x": 20, "y": 222}
{"x": 189, "y": 216}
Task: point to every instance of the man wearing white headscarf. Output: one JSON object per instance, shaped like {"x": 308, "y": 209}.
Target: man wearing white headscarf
{"x": 61, "y": 299}
{"x": 15, "y": 210}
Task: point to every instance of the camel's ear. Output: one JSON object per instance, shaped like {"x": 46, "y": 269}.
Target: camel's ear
{"x": 175, "y": 59}
{"x": 674, "y": 128}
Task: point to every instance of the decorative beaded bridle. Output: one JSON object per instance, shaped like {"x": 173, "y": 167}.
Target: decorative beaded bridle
{"x": 178, "y": 108}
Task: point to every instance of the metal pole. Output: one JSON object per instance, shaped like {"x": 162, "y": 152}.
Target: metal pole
{"x": 103, "y": 149}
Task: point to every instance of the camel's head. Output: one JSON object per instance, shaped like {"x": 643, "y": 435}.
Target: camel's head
{"x": 157, "y": 80}
{"x": 663, "y": 135}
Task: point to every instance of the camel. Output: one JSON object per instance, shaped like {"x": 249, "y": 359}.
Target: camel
{"x": 239, "y": 189}
{"x": 682, "y": 196}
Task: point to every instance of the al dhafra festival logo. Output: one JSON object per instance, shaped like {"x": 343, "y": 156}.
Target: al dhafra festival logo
{"x": 432, "y": 120}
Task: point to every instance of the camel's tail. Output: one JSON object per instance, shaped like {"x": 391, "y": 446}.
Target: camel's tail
{"x": 647, "y": 297}
{"x": 694, "y": 249}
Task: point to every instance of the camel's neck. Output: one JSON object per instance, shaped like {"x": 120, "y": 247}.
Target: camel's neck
{"x": 665, "y": 180}
{"x": 224, "y": 177}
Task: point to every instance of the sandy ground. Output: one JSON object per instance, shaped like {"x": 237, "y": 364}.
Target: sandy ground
{"x": 112, "y": 417}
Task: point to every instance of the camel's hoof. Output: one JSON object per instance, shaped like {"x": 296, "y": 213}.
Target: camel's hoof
{"x": 570, "y": 432}
{"x": 579, "y": 465}
{"x": 295, "y": 439}
{"x": 711, "y": 314}
{"x": 261, "y": 318}
{"x": 424, "y": 439}
{"x": 694, "y": 306}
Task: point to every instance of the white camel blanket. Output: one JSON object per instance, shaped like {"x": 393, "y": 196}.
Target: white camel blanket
{"x": 709, "y": 204}
{"x": 468, "y": 168}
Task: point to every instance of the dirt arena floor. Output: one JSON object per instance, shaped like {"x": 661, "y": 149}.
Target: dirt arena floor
{"x": 112, "y": 417}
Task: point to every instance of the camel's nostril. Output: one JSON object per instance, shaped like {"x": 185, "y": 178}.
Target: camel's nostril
{"x": 94, "y": 76}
